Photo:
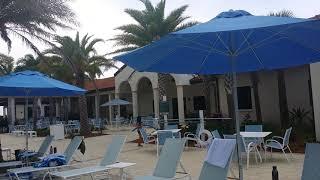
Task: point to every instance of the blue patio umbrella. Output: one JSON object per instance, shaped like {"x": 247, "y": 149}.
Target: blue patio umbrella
{"x": 233, "y": 41}
{"x": 32, "y": 83}
{"x": 35, "y": 84}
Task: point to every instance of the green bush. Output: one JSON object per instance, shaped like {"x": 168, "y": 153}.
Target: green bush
{"x": 43, "y": 132}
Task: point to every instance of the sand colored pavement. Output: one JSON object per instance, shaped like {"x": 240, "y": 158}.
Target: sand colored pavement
{"x": 146, "y": 158}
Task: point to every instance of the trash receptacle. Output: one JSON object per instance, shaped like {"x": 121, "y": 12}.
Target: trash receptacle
{"x": 57, "y": 131}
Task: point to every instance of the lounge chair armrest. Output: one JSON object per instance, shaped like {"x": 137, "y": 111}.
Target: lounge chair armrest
{"x": 186, "y": 133}
{"x": 251, "y": 145}
{"x": 191, "y": 136}
{"x": 151, "y": 138}
{"x": 272, "y": 140}
{"x": 277, "y": 137}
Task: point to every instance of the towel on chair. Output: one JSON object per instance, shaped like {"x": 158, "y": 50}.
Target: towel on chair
{"x": 51, "y": 160}
{"x": 220, "y": 151}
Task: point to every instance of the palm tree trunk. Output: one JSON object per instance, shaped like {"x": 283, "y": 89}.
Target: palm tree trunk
{"x": 283, "y": 103}
{"x": 85, "y": 129}
{"x": 228, "y": 89}
{"x": 207, "y": 93}
{"x": 35, "y": 112}
{"x": 51, "y": 109}
{"x": 255, "y": 86}
{"x": 98, "y": 108}
{"x": 162, "y": 80}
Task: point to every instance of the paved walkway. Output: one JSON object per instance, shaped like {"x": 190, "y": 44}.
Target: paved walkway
{"x": 145, "y": 157}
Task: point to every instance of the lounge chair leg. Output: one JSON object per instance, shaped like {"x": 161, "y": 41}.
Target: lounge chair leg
{"x": 259, "y": 156}
{"x": 285, "y": 155}
{"x": 248, "y": 159}
{"x": 91, "y": 176}
{"x": 265, "y": 153}
{"x": 255, "y": 155}
{"x": 290, "y": 151}
{"x": 271, "y": 151}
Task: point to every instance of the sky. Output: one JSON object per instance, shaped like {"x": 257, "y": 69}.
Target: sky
{"x": 101, "y": 17}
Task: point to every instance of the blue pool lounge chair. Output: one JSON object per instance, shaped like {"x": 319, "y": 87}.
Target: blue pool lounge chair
{"x": 311, "y": 166}
{"x": 108, "y": 162}
{"x": 168, "y": 161}
{"x": 217, "y": 163}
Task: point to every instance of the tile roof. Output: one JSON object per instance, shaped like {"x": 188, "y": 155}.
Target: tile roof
{"x": 106, "y": 83}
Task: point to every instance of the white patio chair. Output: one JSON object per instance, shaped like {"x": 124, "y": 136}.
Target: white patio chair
{"x": 280, "y": 143}
{"x": 246, "y": 148}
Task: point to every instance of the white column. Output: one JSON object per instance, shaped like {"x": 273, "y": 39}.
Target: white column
{"x": 180, "y": 103}
{"x": 4, "y": 111}
{"x": 135, "y": 107}
{"x": 156, "y": 102}
{"x": 11, "y": 110}
{"x": 57, "y": 109}
{"x": 110, "y": 109}
{"x": 315, "y": 84}
{"x": 118, "y": 108}
{"x": 201, "y": 117}
{"x": 41, "y": 107}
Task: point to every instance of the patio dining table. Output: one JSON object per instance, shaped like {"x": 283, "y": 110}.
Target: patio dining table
{"x": 254, "y": 134}
{"x": 174, "y": 131}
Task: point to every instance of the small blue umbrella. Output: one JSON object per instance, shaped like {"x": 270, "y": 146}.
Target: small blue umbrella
{"x": 35, "y": 84}
{"x": 32, "y": 83}
{"x": 234, "y": 41}
{"x": 116, "y": 102}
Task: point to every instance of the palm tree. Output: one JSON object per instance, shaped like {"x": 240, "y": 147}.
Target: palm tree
{"x": 283, "y": 103}
{"x": 35, "y": 19}
{"x": 28, "y": 62}
{"x": 82, "y": 59}
{"x": 151, "y": 24}
{"x": 56, "y": 68}
{"x": 6, "y": 64}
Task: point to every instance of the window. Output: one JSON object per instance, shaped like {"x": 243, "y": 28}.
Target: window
{"x": 244, "y": 97}
{"x": 199, "y": 103}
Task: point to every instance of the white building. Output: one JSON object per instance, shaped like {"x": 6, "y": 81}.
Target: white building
{"x": 186, "y": 94}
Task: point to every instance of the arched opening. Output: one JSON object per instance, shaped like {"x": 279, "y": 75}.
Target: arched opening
{"x": 125, "y": 93}
{"x": 145, "y": 97}
{"x": 171, "y": 93}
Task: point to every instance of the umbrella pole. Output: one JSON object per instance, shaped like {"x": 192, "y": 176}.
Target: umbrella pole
{"x": 236, "y": 114}
{"x": 26, "y": 128}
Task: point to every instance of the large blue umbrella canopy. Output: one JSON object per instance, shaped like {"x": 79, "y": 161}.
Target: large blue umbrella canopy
{"x": 234, "y": 41}
{"x": 32, "y": 83}
{"x": 253, "y": 42}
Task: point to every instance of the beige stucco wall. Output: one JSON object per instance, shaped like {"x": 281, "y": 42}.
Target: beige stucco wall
{"x": 296, "y": 86}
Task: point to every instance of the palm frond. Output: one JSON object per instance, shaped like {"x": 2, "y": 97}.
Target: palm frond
{"x": 122, "y": 50}
{"x": 186, "y": 25}
{"x": 282, "y": 13}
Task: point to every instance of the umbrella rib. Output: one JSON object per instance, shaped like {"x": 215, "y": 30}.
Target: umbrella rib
{"x": 224, "y": 44}
{"x": 205, "y": 59}
{"x": 266, "y": 39}
{"x": 252, "y": 49}
{"x": 210, "y": 47}
{"x": 297, "y": 41}
{"x": 236, "y": 52}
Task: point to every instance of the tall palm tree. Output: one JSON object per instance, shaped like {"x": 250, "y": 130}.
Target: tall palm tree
{"x": 36, "y": 19}
{"x": 56, "y": 68}
{"x": 151, "y": 24}
{"x": 80, "y": 56}
{"x": 6, "y": 64}
{"x": 283, "y": 103}
{"x": 28, "y": 62}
